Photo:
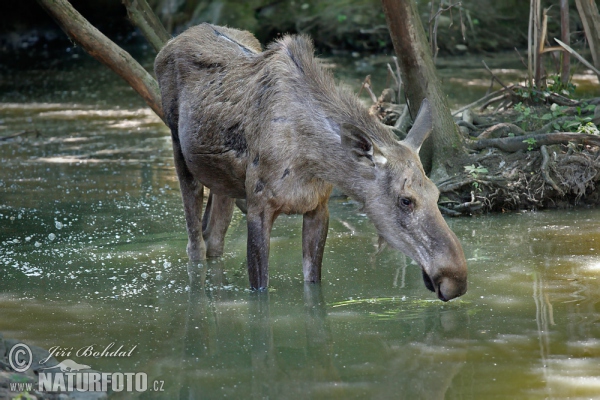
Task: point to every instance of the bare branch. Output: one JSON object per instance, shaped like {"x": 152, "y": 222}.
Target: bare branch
{"x": 142, "y": 16}
{"x": 104, "y": 50}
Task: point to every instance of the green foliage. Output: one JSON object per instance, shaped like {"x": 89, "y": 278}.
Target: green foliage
{"x": 588, "y": 128}
{"x": 531, "y": 142}
{"x": 558, "y": 118}
{"x": 556, "y": 111}
{"x": 475, "y": 171}
{"x": 556, "y": 85}
{"x": 523, "y": 111}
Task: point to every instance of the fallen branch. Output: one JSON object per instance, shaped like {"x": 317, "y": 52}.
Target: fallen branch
{"x": 478, "y": 102}
{"x": 578, "y": 56}
{"x": 516, "y": 143}
{"x": 104, "y": 50}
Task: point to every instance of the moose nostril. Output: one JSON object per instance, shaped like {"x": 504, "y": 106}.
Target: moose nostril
{"x": 428, "y": 282}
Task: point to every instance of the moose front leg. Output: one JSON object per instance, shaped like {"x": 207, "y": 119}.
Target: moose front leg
{"x": 192, "y": 192}
{"x": 215, "y": 222}
{"x": 314, "y": 234}
{"x": 260, "y": 221}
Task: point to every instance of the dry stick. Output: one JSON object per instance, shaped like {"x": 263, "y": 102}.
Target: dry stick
{"x": 578, "y": 56}
{"x": 399, "y": 76}
{"x": 14, "y": 135}
{"x": 521, "y": 57}
{"x": 434, "y": 48}
{"x": 498, "y": 79}
{"x": 367, "y": 86}
{"x": 391, "y": 72}
{"x": 142, "y": 16}
{"x": 545, "y": 174}
{"x": 477, "y": 102}
{"x": 490, "y": 101}
{"x": 105, "y": 51}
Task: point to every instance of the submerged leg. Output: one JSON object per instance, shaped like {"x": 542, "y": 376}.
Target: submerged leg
{"x": 191, "y": 192}
{"x": 260, "y": 222}
{"x": 215, "y": 222}
{"x": 314, "y": 234}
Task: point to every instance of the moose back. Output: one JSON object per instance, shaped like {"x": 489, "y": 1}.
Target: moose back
{"x": 271, "y": 127}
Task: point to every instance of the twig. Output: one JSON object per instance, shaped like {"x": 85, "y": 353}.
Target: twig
{"x": 399, "y": 76}
{"x": 25, "y": 132}
{"x": 367, "y": 86}
{"x": 498, "y": 79}
{"x": 477, "y": 102}
{"x": 393, "y": 75}
{"x": 490, "y": 101}
{"x": 434, "y": 48}
{"x": 544, "y": 168}
{"x": 521, "y": 57}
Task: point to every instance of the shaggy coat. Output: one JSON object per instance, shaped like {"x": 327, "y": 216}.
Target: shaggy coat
{"x": 271, "y": 127}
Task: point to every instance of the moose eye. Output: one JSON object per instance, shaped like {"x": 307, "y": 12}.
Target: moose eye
{"x": 405, "y": 202}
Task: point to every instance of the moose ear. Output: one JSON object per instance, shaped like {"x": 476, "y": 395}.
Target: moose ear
{"x": 421, "y": 128}
{"x": 357, "y": 142}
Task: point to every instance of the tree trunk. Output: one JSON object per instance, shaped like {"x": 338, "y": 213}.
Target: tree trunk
{"x": 420, "y": 82}
{"x": 104, "y": 50}
{"x": 565, "y": 36}
{"x": 142, "y": 16}
{"x": 590, "y": 18}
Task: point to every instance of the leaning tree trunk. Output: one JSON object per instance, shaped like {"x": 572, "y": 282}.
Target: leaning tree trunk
{"x": 105, "y": 51}
{"x": 591, "y": 24}
{"x": 420, "y": 81}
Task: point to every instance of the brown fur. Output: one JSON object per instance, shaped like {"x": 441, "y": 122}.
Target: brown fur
{"x": 271, "y": 127}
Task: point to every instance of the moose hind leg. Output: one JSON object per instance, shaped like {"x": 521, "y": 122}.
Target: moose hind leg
{"x": 215, "y": 222}
{"x": 192, "y": 194}
{"x": 314, "y": 233}
{"x": 260, "y": 221}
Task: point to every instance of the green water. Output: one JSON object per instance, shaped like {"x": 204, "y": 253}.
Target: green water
{"x": 92, "y": 252}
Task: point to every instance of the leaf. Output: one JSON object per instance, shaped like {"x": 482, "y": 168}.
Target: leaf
{"x": 571, "y": 124}
{"x": 546, "y": 117}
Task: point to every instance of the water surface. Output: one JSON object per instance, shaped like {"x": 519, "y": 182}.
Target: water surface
{"x": 92, "y": 252}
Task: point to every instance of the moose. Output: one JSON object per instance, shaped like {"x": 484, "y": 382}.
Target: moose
{"x": 271, "y": 127}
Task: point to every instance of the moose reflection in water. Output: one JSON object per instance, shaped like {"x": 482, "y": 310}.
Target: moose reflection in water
{"x": 272, "y": 128}
{"x": 280, "y": 356}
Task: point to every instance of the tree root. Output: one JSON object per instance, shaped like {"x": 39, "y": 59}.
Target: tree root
{"x": 544, "y": 169}
{"x": 516, "y": 143}
{"x": 523, "y": 180}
